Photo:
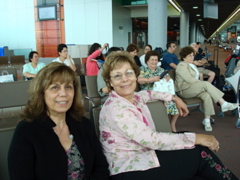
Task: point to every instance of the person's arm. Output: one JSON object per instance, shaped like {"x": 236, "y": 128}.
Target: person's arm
{"x": 26, "y": 71}
{"x": 173, "y": 65}
{"x": 21, "y": 154}
{"x": 208, "y": 141}
{"x": 183, "y": 71}
{"x": 143, "y": 80}
{"x": 71, "y": 63}
{"x": 101, "y": 84}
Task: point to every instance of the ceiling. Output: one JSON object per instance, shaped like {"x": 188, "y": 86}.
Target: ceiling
{"x": 225, "y": 8}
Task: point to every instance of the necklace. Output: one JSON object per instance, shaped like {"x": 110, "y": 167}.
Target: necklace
{"x": 70, "y": 136}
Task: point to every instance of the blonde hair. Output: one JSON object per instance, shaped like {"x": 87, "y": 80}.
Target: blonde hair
{"x": 115, "y": 60}
{"x": 51, "y": 73}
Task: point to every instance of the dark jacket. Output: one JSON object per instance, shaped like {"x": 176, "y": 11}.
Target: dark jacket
{"x": 36, "y": 152}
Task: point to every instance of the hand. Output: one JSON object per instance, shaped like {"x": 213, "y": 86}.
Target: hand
{"x": 204, "y": 61}
{"x": 154, "y": 79}
{"x": 167, "y": 78}
{"x": 208, "y": 141}
{"x": 182, "y": 107}
{"x": 68, "y": 57}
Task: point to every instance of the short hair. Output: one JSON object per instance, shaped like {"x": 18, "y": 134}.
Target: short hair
{"x": 132, "y": 47}
{"x": 168, "y": 45}
{"x": 151, "y": 53}
{"x": 30, "y": 56}
{"x": 53, "y": 72}
{"x": 61, "y": 46}
{"x": 149, "y": 46}
{"x": 198, "y": 43}
{"x": 114, "y": 60}
{"x": 186, "y": 51}
{"x": 112, "y": 49}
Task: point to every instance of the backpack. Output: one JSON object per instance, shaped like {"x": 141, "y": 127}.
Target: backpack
{"x": 231, "y": 66}
{"x": 159, "y": 50}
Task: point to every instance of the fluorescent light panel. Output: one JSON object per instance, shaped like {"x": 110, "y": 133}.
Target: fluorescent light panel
{"x": 175, "y": 5}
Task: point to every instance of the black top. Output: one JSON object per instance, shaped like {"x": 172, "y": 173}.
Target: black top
{"x": 36, "y": 152}
{"x": 137, "y": 61}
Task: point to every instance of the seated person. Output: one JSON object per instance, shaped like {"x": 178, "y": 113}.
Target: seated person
{"x": 94, "y": 55}
{"x": 199, "y": 62}
{"x": 170, "y": 60}
{"x": 147, "y": 48}
{"x": 134, "y": 150}
{"x": 54, "y": 140}
{"x": 133, "y": 50}
{"x": 151, "y": 74}
{"x": 64, "y": 57}
{"x": 102, "y": 88}
{"x": 188, "y": 85}
{"x": 31, "y": 69}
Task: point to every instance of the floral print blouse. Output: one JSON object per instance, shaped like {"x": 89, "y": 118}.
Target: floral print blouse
{"x": 128, "y": 135}
{"x": 75, "y": 164}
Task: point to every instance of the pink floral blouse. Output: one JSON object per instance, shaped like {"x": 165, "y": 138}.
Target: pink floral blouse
{"x": 128, "y": 135}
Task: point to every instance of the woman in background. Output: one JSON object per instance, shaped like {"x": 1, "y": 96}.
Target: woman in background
{"x": 31, "y": 69}
{"x": 54, "y": 140}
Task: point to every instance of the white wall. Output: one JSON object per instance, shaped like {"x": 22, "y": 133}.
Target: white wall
{"x": 17, "y": 28}
{"x": 121, "y": 17}
{"x": 88, "y": 21}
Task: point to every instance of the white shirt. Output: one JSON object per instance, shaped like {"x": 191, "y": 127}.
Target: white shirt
{"x": 195, "y": 69}
{"x": 66, "y": 62}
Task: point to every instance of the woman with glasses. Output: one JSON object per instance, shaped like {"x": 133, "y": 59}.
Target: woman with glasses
{"x": 188, "y": 85}
{"x": 132, "y": 146}
{"x": 151, "y": 74}
{"x": 64, "y": 57}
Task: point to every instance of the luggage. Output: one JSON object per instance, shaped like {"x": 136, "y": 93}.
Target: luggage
{"x": 231, "y": 66}
{"x": 214, "y": 67}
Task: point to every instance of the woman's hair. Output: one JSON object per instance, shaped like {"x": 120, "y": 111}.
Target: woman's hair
{"x": 30, "y": 56}
{"x": 186, "y": 51}
{"x": 93, "y": 48}
{"x": 148, "y": 45}
{"x": 151, "y": 53}
{"x": 61, "y": 46}
{"x": 53, "y": 72}
{"x": 132, "y": 47}
{"x": 113, "y": 49}
{"x": 116, "y": 60}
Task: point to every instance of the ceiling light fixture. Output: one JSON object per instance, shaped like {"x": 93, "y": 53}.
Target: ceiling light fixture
{"x": 226, "y": 21}
{"x": 198, "y": 15}
{"x": 199, "y": 19}
{"x": 175, "y": 5}
{"x": 195, "y": 7}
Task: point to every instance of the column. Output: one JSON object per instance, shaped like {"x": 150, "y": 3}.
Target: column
{"x": 192, "y": 32}
{"x": 184, "y": 29}
{"x": 157, "y": 23}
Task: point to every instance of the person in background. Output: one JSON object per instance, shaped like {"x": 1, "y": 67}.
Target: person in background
{"x": 199, "y": 62}
{"x": 188, "y": 85}
{"x": 64, "y": 57}
{"x": 134, "y": 149}
{"x": 31, "y": 69}
{"x": 133, "y": 50}
{"x": 102, "y": 87}
{"x": 147, "y": 48}
{"x": 94, "y": 55}
{"x": 151, "y": 74}
{"x": 170, "y": 60}
{"x": 54, "y": 140}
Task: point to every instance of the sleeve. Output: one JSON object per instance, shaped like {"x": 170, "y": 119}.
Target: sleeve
{"x": 21, "y": 156}
{"x": 94, "y": 55}
{"x": 26, "y": 69}
{"x": 168, "y": 59}
{"x": 155, "y": 95}
{"x": 100, "y": 83}
{"x": 100, "y": 166}
{"x": 185, "y": 74}
{"x": 129, "y": 124}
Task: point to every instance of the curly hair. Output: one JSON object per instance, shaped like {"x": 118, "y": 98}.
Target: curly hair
{"x": 186, "y": 51}
{"x": 115, "y": 60}
{"x": 151, "y": 53}
{"x": 53, "y": 72}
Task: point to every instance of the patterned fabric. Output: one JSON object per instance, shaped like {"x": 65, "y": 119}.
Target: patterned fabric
{"x": 146, "y": 72}
{"x": 128, "y": 135}
{"x": 76, "y": 167}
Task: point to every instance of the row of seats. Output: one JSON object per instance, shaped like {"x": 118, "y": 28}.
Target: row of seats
{"x": 19, "y": 59}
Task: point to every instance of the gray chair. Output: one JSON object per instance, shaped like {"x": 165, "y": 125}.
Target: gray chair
{"x": 3, "y": 61}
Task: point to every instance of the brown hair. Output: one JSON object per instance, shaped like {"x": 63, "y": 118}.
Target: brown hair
{"x": 186, "y": 51}
{"x": 115, "y": 60}
{"x": 51, "y": 73}
{"x": 151, "y": 53}
{"x": 132, "y": 47}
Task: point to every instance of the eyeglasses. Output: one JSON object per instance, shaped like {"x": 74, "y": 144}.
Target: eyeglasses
{"x": 128, "y": 73}
{"x": 65, "y": 51}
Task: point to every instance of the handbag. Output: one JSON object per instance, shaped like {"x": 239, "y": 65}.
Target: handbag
{"x": 6, "y": 77}
{"x": 164, "y": 86}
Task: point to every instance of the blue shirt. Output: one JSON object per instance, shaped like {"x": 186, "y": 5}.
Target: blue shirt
{"x": 169, "y": 58}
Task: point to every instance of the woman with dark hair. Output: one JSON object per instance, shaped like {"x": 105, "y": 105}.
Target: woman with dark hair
{"x": 31, "y": 69}
{"x": 188, "y": 85}
{"x": 54, "y": 140}
{"x": 133, "y": 50}
{"x": 94, "y": 54}
{"x": 64, "y": 57}
{"x": 134, "y": 149}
